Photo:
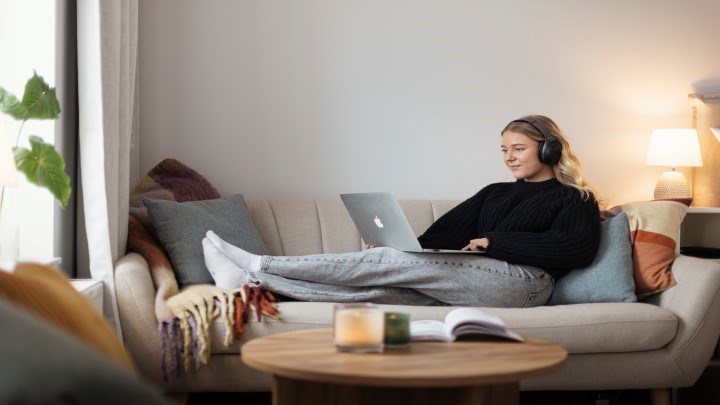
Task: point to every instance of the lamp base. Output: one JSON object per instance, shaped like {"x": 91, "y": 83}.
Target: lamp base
{"x": 9, "y": 232}
{"x": 672, "y": 185}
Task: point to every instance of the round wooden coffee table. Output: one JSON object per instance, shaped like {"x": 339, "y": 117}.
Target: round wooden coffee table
{"x": 307, "y": 369}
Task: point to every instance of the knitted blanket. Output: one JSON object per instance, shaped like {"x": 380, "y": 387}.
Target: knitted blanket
{"x": 184, "y": 316}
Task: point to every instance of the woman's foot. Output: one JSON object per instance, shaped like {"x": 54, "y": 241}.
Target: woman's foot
{"x": 240, "y": 257}
{"x": 226, "y": 274}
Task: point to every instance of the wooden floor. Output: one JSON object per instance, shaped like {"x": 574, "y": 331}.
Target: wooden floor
{"x": 705, "y": 392}
{"x": 626, "y": 397}
{"x": 526, "y": 398}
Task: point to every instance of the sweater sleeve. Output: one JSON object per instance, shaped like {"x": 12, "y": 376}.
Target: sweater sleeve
{"x": 571, "y": 242}
{"x": 455, "y": 229}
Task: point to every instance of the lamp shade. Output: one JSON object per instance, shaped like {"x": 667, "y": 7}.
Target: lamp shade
{"x": 8, "y": 172}
{"x": 674, "y": 147}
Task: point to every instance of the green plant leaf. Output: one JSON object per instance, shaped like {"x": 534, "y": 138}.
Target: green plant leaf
{"x": 38, "y": 102}
{"x": 44, "y": 166}
{"x": 10, "y": 105}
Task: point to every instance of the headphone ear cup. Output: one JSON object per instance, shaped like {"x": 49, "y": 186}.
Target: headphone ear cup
{"x": 549, "y": 151}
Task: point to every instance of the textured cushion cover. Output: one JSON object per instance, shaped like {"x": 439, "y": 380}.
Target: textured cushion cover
{"x": 181, "y": 227}
{"x": 42, "y": 364}
{"x": 45, "y": 292}
{"x": 655, "y": 227}
{"x": 610, "y": 276}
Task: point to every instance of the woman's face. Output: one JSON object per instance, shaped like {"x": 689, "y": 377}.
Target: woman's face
{"x": 520, "y": 154}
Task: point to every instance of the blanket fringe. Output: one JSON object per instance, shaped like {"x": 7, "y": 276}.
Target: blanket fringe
{"x": 186, "y": 335}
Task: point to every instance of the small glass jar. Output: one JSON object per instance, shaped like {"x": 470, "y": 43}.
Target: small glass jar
{"x": 358, "y": 327}
{"x": 397, "y": 330}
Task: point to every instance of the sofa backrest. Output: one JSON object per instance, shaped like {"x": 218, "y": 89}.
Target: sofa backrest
{"x": 301, "y": 226}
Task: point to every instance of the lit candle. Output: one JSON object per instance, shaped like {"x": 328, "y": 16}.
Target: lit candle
{"x": 358, "y": 327}
{"x": 397, "y": 330}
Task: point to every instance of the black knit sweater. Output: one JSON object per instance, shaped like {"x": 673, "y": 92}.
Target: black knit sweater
{"x": 543, "y": 224}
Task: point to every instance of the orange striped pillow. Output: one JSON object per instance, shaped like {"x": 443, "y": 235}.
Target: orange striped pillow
{"x": 655, "y": 228}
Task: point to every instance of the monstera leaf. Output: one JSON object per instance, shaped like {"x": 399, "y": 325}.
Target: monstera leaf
{"x": 44, "y": 166}
{"x": 39, "y": 101}
{"x": 41, "y": 164}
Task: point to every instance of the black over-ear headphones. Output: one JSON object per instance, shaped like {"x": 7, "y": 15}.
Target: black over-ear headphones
{"x": 550, "y": 149}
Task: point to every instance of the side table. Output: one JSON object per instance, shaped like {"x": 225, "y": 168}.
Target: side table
{"x": 307, "y": 369}
{"x": 92, "y": 289}
{"x": 701, "y": 227}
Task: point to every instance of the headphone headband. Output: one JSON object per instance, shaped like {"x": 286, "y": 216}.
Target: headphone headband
{"x": 537, "y": 125}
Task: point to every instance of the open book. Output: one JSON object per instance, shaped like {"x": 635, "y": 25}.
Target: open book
{"x": 462, "y": 323}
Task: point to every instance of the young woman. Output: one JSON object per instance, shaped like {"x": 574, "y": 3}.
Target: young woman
{"x": 534, "y": 230}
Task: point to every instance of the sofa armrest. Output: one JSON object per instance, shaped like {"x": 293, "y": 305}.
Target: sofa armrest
{"x": 136, "y": 305}
{"x": 695, "y": 300}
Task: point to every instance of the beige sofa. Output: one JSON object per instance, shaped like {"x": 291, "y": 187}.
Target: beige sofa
{"x": 663, "y": 342}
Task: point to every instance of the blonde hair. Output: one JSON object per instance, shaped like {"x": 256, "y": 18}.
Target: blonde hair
{"x": 568, "y": 170}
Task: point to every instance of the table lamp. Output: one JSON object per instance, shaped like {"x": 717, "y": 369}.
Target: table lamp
{"x": 674, "y": 148}
{"x": 8, "y": 172}
{"x": 8, "y": 177}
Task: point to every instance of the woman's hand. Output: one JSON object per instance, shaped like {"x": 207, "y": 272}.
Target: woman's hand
{"x": 477, "y": 244}
{"x": 370, "y": 246}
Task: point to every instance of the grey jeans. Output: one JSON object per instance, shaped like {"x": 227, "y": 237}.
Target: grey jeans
{"x": 389, "y": 276}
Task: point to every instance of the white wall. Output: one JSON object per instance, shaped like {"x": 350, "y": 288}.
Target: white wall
{"x": 318, "y": 97}
{"x": 32, "y": 207}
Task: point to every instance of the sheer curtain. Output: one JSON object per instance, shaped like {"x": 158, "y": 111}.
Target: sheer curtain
{"x": 108, "y": 122}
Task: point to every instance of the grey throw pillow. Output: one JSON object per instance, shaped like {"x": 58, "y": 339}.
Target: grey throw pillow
{"x": 181, "y": 227}
{"x": 42, "y": 364}
{"x": 610, "y": 276}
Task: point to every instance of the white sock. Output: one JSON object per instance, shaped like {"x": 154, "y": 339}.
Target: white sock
{"x": 240, "y": 257}
{"x": 226, "y": 274}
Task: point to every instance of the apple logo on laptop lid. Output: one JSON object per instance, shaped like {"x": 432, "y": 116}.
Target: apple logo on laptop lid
{"x": 378, "y": 222}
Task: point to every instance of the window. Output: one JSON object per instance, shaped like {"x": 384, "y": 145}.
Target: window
{"x": 27, "y": 43}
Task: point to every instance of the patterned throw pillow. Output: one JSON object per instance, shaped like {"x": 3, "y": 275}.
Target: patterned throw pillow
{"x": 655, "y": 228}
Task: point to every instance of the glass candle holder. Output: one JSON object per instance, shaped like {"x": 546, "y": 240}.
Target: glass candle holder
{"x": 397, "y": 330}
{"x": 358, "y": 327}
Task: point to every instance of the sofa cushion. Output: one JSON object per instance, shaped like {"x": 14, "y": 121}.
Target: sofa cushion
{"x": 610, "y": 276}
{"x": 655, "y": 227}
{"x": 181, "y": 227}
{"x": 47, "y": 293}
{"x": 44, "y": 364}
{"x": 581, "y": 328}
{"x": 597, "y": 328}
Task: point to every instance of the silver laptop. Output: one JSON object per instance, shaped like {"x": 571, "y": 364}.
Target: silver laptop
{"x": 381, "y": 222}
